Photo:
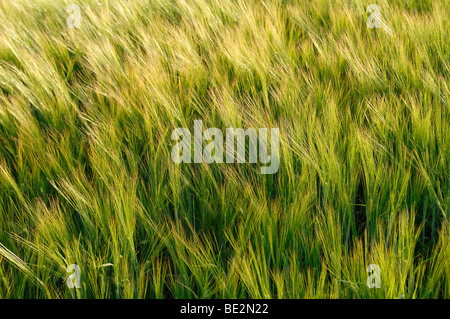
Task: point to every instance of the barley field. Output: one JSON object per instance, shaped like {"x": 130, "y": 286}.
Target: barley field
{"x": 87, "y": 179}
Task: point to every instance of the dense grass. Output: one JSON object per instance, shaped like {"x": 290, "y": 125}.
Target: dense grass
{"x": 86, "y": 175}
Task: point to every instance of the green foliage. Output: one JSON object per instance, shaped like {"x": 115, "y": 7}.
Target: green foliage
{"x": 86, "y": 175}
